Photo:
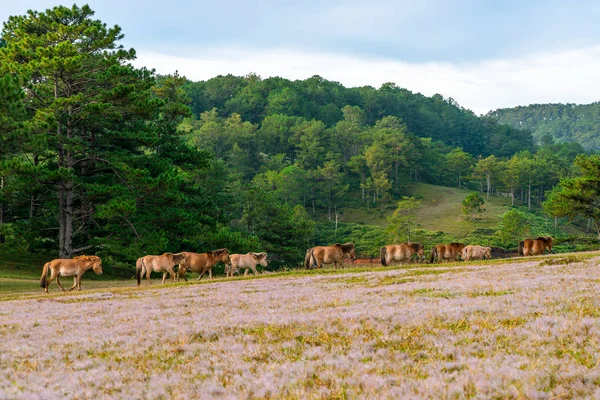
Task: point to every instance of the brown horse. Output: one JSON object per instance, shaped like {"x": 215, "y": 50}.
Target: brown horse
{"x": 534, "y": 247}
{"x": 446, "y": 252}
{"x": 473, "y": 251}
{"x": 335, "y": 254}
{"x": 74, "y": 267}
{"x": 202, "y": 262}
{"x": 164, "y": 263}
{"x": 400, "y": 252}
{"x": 245, "y": 261}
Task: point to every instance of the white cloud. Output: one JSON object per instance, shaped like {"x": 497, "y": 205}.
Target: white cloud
{"x": 566, "y": 76}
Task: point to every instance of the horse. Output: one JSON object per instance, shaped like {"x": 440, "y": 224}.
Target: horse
{"x": 534, "y": 247}
{"x": 202, "y": 262}
{"x": 164, "y": 263}
{"x": 400, "y": 252}
{"x": 473, "y": 251}
{"x": 245, "y": 261}
{"x": 320, "y": 255}
{"x": 74, "y": 267}
{"x": 446, "y": 252}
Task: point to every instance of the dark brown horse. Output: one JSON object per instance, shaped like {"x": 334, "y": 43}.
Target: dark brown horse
{"x": 202, "y": 262}
{"x": 446, "y": 252}
{"x": 534, "y": 247}
{"x": 400, "y": 252}
{"x": 319, "y": 255}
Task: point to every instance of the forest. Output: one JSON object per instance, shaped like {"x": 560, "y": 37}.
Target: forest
{"x": 560, "y": 123}
{"x": 100, "y": 157}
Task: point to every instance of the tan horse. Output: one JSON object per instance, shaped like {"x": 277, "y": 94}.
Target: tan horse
{"x": 164, "y": 263}
{"x": 245, "y": 261}
{"x": 400, "y": 252}
{"x": 473, "y": 251}
{"x": 74, "y": 267}
{"x": 202, "y": 262}
{"x": 335, "y": 254}
{"x": 534, "y": 247}
{"x": 446, "y": 252}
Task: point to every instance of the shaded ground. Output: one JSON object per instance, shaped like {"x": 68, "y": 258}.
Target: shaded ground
{"x": 505, "y": 329}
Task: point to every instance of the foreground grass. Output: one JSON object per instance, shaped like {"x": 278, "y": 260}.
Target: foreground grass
{"x": 521, "y": 328}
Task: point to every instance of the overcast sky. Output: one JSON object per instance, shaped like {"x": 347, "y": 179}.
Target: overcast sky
{"x": 485, "y": 54}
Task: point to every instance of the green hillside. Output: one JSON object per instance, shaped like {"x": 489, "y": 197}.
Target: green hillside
{"x": 563, "y": 123}
{"x": 441, "y": 210}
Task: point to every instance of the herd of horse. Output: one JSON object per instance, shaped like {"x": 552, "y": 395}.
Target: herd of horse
{"x": 315, "y": 257}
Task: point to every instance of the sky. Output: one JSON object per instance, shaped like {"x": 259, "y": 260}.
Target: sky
{"x": 485, "y": 54}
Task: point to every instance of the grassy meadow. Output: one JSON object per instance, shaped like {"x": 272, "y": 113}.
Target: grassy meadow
{"x": 517, "y": 328}
{"x": 441, "y": 210}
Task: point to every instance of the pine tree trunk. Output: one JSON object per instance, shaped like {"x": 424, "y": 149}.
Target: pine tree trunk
{"x": 66, "y": 220}
{"x": 66, "y": 190}
{"x": 1, "y": 210}
{"x": 512, "y": 196}
{"x": 489, "y": 185}
{"x": 555, "y": 222}
{"x": 529, "y": 196}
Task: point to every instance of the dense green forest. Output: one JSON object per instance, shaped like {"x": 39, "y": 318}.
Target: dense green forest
{"x": 560, "y": 123}
{"x": 101, "y": 157}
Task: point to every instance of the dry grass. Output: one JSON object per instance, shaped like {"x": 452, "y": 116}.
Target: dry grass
{"x": 512, "y": 329}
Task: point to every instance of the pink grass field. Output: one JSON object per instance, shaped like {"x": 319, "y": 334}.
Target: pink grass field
{"x": 507, "y": 330}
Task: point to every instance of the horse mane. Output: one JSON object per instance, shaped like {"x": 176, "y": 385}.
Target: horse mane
{"x": 86, "y": 258}
{"x": 545, "y": 239}
{"x": 260, "y": 255}
{"x": 218, "y": 251}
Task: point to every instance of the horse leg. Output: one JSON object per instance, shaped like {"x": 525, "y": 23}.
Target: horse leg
{"x": 210, "y": 273}
{"x": 172, "y": 274}
{"x": 246, "y": 272}
{"x": 79, "y": 281}
{"x": 164, "y": 277}
{"x": 52, "y": 276}
{"x": 254, "y": 270}
{"x": 74, "y": 283}
{"x": 58, "y": 281}
{"x": 148, "y": 272}
{"x": 201, "y": 274}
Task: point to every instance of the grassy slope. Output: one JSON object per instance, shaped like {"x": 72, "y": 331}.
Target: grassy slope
{"x": 441, "y": 210}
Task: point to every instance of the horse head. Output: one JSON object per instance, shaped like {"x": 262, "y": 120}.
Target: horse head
{"x": 97, "y": 264}
{"x": 222, "y": 255}
{"x": 261, "y": 258}
{"x": 94, "y": 261}
{"x": 350, "y": 249}
{"x": 419, "y": 249}
{"x": 549, "y": 243}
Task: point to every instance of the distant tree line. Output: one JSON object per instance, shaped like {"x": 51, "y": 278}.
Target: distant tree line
{"x": 558, "y": 123}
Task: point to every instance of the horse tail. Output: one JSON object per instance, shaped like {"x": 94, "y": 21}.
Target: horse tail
{"x": 383, "y": 254}
{"x": 520, "y": 248}
{"x": 307, "y": 258}
{"x": 44, "y": 280}
{"x": 138, "y": 270}
{"x": 432, "y": 255}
